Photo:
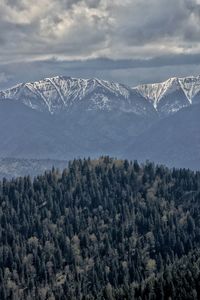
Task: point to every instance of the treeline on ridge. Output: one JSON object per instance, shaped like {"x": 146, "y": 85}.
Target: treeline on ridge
{"x": 101, "y": 229}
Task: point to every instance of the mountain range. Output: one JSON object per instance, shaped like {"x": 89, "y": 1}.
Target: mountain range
{"x": 62, "y": 93}
{"x": 61, "y": 118}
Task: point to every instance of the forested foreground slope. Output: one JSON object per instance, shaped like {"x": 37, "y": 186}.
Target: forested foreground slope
{"x": 103, "y": 229}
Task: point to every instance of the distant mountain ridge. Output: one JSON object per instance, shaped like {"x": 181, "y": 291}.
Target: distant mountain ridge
{"x": 61, "y": 118}
{"x": 12, "y": 167}
{"x": 65, "y": 93}
{"x": 173, "y": 94}
{"x": 62, "y": 93}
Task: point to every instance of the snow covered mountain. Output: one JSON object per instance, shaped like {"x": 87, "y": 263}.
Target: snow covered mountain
{"x": 173, "y": 94}
{"x": 64, "y": 117}
{"x": 65, "y": 93}
{"x": 62, "y": 93}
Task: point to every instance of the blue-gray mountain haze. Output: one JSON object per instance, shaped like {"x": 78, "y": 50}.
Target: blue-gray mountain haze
{"x": 60, "y": 118}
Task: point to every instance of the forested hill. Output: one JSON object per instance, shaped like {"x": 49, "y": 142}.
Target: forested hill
{"x": 101, "y": 229}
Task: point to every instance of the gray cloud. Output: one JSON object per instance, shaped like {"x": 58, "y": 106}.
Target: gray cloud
{"x": 130, "y": 35}
{"x": 32, "y": 29}
{"x": 131, "y": 72}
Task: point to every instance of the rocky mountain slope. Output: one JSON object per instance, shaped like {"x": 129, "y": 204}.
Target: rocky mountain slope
{"x": 61, "y": 93}
{"x": 172, "y": 95}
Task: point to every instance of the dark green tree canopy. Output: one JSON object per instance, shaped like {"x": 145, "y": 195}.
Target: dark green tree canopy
{"x": 101, "y": 229}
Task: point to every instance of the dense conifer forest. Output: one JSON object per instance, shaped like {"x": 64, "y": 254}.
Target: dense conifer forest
{"x": 102, "y": 229}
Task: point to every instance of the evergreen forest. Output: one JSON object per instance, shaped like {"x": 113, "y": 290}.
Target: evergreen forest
{"x": 101, "y": 229}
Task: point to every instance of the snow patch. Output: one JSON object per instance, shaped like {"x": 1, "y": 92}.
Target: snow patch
{"x": 156, "y": 91}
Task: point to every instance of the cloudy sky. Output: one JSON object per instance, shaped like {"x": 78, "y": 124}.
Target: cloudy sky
{"x": 129, "y": 41}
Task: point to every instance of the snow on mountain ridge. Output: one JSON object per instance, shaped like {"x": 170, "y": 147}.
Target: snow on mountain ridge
{"x": 190, "y": 86}
{"x": 61, "y": 91}
{"x": 155, "y": 92}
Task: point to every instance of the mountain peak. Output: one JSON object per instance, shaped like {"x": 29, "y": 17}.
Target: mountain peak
{"x": 155, "y": 92}
{"x": 60, "y": 93}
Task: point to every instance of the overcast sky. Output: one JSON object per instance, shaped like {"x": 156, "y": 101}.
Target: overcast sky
{"x": 130, "y": 41}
